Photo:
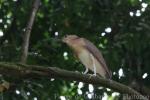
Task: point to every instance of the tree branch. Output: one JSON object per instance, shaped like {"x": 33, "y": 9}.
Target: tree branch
{"x": 33, "y": 71}
{"x": 26, "y": 36}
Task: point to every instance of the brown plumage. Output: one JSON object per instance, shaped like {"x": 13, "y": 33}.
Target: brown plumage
{"x": 88, "y": 55}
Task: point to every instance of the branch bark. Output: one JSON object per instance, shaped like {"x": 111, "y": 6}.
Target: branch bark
{"x": 26, "y": 37}
{"x": 33, "y": 71}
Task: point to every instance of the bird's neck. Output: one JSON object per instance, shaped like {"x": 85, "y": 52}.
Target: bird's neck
{"x": 78, "y": 50}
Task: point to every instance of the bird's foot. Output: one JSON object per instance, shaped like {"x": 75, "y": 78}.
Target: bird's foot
{"x": 91, "y": 75}
{"x": 94, "y": 74}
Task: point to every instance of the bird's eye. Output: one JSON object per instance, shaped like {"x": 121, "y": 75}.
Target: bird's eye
{"x": 65, "y": 36}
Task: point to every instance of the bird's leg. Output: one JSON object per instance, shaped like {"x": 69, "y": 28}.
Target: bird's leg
{"x": 86, "y": 70}
{"x": 93, "y": 61}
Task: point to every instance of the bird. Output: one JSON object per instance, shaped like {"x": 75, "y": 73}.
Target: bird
{"x": 88, "y": 54}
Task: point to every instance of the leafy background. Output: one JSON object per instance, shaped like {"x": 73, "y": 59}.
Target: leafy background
{"x": 119, "y": 28}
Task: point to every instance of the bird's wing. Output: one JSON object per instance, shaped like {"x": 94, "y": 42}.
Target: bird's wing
{"x": 97, "y": 54}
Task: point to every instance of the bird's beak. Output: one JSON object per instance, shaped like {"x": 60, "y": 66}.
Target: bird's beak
{"x": 59, "y": 40}
{"x": 64, "y": 39}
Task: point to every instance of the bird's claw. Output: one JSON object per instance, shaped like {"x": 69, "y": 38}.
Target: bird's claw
{"x": 91, "y": 75}
{"x": 94, "y": 74}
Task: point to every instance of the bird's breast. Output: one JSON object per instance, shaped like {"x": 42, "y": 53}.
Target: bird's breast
{"x": 84, "y": 57}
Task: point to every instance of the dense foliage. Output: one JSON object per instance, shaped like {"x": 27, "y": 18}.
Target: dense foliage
{"x": 119, "y": 28}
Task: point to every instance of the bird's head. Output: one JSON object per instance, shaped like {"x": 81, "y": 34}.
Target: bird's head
{"x": 74, "y": 42}
{"x": 69, "y": 39}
